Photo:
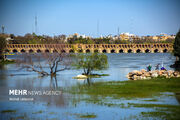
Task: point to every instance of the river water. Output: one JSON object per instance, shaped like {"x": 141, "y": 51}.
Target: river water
{"x": 63, "y": 106}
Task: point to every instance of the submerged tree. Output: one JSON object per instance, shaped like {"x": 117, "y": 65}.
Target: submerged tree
{"x": 90, "y": 62}
{"x": 55, "y": 62}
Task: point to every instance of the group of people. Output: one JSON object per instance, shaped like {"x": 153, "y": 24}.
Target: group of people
{"x": 149, "y": 67}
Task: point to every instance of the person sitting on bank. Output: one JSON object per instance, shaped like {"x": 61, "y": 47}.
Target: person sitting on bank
{"x": 157, "y": 66}
{"x": 149, "y": 67}
{"x": 163, "y": 68}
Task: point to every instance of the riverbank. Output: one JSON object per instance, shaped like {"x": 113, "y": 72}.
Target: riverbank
{"x": 7, "y": 61}
{"x": 143, "y": 74}
{"x": 104, "y": 93}
{"x": 130, "y": 89}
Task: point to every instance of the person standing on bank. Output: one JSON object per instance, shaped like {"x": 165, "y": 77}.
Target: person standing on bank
{"x": 149, "y": 67}
{"x": 157, "y": 66}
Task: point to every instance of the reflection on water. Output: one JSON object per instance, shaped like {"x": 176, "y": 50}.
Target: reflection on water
{"x": 63, "y": 106}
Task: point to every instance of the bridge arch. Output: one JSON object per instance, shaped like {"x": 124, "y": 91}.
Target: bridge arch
{"x": 15, "y": 51}
{"x": 130, "y": 51}
{"x": 71, "y": 51}
{"x": 147, "y": 51}
{"x": 121, "y": 51}
{"x": 104, "y": 51}
{"x": 112, "y": 51}
{"x": 55, "y": 51}
{"x": 38, "y": 51}
{"x": 31, "y": 51}
{"x": 23, "y": 51}
{"x": 80, "y": 51}
{"x": 63, "y": 51}
{"x": 156, "y": 51}
{"x": 165, "y": 51}
{"x": 96, "y": 51}
{"x": 87, "y": 51}
{"x": 46, "y": 51}
{"x": 138, "y": 51}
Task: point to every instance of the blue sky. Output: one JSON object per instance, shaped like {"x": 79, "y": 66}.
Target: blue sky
{"x": 54, "y": 17}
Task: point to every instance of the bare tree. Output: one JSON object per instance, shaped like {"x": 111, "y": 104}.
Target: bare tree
{"x": 53, "y": 62}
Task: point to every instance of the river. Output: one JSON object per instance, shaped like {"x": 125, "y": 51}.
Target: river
{"x": 63, "y": 106}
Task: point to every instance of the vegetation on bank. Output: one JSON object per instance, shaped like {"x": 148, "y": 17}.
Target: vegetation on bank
{"x": 103, "y": 93}
{"x": 8, "y": 111}
{"x": 90, "y": 76}
{"x": 167, "y": 112}
{"x": 3, "y": 59}
{"x": 97, "y": 75}
{"x": 129, "y": 89}
{"x": 3, "y": 62}
{"x": 177, "y": 45}
{"x": 87, "y": 115}
{"x": 2, "y": 47}
{"x": 176, "y": 51}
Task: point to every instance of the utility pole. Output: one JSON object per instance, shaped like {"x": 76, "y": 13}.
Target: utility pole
{"x": 131, "y": 29}
{"x": 131, "y": 25}
{"x": 118, "y": 35}
{"x": 98, "y": 28}
{"x": 2, "y": 29}
{"x": 118, "y": 31}
{"x": 36, "y": 24}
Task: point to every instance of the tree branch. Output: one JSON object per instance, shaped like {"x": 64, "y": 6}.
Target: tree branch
{"x": 66, "y": 68}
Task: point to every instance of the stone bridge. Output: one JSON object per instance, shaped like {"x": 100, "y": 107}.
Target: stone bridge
{"x": 86, "y": 48}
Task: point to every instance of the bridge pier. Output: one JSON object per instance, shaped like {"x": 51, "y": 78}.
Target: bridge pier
{"x": 117, "y": 51}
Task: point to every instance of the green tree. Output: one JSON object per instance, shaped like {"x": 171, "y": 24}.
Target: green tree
{"x": 176, "y": 51}
{"x": 2, "y": 47}
{"x": 90, "y": 62}
{"x": 89, "y": 41}
{"x": 177, "y": 45}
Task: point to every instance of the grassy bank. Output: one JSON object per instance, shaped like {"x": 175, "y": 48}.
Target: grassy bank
{"x": 103, "y": 93}
{"x": 130, "y": 89}
{"x": 4, "y": 62}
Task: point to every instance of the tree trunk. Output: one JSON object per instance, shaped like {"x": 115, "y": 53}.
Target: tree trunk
{"x": 88, "y": 71}
{"x": 2, "y": 56}
{"x": 177, "y": 58}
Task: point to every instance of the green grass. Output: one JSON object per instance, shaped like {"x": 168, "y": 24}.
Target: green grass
{"x": 38, "y": 112}
{"x": 162, "y": 111}
{"x": 8, "y": 111}
{"x": 87, "y": 115}
{"x": 102, "y": 93}
{"x": 52, "y": 113}
{"x": 165, "y": 113}
{"x": 151, "y": 100}
{"x": 129, "y": 89}
{"x": 19, "y": 118}
{"x": 97, "y": 75}
{"x": 154, "y": 105}
{"x": 6, "y": 62}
